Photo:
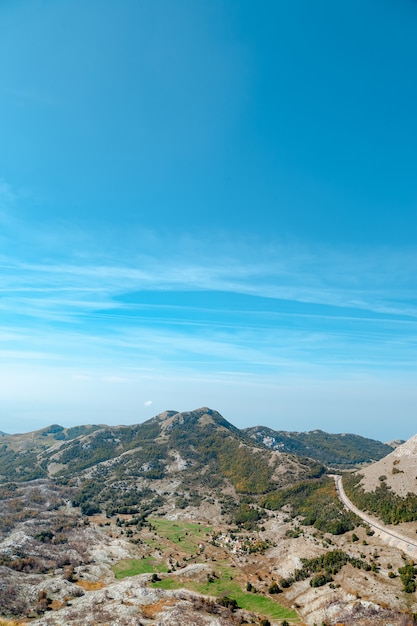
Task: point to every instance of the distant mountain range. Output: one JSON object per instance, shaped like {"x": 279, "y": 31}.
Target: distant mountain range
{"x": 331, "y": 449}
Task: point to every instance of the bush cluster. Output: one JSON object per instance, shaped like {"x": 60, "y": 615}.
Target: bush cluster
{"x": 324, "y": 567}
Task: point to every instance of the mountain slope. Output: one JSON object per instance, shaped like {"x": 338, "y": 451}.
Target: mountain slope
{"x": 20, "y": 454}
{"x": 398, "y": 470}
{"x": 388, "y": 488}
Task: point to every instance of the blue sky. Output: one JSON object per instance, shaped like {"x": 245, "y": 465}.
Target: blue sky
{"x": 209, "y": 203}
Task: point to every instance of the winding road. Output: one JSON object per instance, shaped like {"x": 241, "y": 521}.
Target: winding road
{"x": 393, "y": 538}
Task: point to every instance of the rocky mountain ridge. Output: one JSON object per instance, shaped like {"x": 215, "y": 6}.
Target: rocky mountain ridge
{"x": 344, "y": 449}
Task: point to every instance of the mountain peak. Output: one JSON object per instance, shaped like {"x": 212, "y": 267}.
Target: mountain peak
{"x": 168, "y": 420}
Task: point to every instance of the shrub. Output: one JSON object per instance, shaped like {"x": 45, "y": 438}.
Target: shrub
{"x": 320, "y": 579}
{"x": 274, "y": 588}
{"x": 230, "y": 603}
{"x": 408, "y": 575}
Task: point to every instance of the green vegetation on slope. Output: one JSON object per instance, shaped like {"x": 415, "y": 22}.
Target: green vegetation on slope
{"x": 107, "y": 443}
{"x": 221, "y": 452}
{"x": 226, "y": 587}
{"x": 383, "y": 502}
{"x": 19, "y": 466}
{"x": 408, "y": 577}
{"x": 187, "y": 535}
{"x": 133, "y": 567}
{"x": 96, "y": 496}
{"x": 316, "y": 502}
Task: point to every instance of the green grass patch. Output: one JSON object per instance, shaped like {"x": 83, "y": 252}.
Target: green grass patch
{"x": 248, "y": 601}
{"x": 155, "y": 544}
{"x": 133, "y": 567}
{"x": 264, "y": 606}
{"x": 168, "y": 583}
{"x": 185, "y": 535}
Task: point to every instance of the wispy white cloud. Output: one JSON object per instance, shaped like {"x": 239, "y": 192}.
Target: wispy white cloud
{"x": 76, "y": 312}
{"x": 28, "y": 355}
{"x": 327, "y": 280}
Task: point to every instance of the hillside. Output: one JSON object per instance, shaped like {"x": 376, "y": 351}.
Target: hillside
{"x": 399, "y": 469}
{"x": 199, "y": 450}
{"x": 343, "y": 450}
{"x": 20, "y": 453}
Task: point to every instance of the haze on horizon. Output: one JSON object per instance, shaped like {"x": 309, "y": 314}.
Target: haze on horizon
{"x": 209, "y": 204}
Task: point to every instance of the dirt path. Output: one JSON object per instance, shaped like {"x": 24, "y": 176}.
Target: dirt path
{"x": 387, "y": 534}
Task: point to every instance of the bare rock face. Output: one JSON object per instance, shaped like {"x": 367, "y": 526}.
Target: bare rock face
{"x": 398, "y": 469}
{"x": 409, "y": 448}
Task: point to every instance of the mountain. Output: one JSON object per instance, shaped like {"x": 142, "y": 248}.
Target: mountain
{"x": 200, "y": 446}
{"x": 194, "y": 454}
{"x": 345, "y": 450}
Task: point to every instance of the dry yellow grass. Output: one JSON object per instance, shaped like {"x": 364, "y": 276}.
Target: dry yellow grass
{"x": 11, "y": 622}
{"x": 88, "y": 585}
{"x": 55, "y": 605}
{"x": 152, "y": 610}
